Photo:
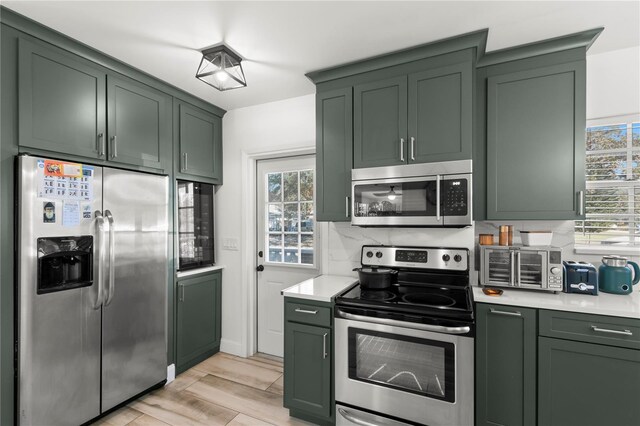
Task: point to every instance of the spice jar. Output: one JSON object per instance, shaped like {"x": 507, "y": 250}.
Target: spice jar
{"x": 485, "y": 239}
{"x": 503, "y": 236}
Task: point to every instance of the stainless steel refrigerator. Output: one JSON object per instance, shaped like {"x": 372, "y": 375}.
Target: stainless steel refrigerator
{"x": 92, "y": 289}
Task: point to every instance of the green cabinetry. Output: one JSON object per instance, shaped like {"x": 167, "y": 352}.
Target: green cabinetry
{"x": 198, "y": 143}
{"x": 505, "y": 365}
{"x": 563, "y": 369}
{"x": 334, "y": 154}
{"x": 68, "y": 105}
{"x": 415, "y": 118}
{"x": 198, "y": 318}
{"x": 308, "y": 360}
{"x": 535, "y": 142}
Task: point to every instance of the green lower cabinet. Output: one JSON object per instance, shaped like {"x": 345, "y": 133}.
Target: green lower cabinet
{"x": 198, "y": 319}
{"x": 586, "y": 384}
{"x": 505, "y": 365}
{"x": 307, "y": 369}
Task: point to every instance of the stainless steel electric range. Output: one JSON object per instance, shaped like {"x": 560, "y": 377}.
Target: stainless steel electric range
{"x": 404, "y": 355}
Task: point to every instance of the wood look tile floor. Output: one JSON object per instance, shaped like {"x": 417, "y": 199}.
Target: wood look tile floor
{"x": 221, "y": 390}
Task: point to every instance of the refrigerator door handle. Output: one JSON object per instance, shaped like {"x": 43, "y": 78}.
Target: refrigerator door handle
{"x": 112, "y": 280}
{"x": 100, "y": 245}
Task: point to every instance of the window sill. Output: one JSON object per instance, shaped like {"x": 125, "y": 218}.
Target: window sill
{"x": 633, "y": 251}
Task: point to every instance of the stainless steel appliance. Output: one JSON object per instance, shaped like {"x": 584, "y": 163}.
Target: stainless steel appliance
{"x": 405, "y": 354}
{"x": 195, "y": 225}
{"x": 580, "y": 277}
{"x": 417, "y": 195}
{"x": 91, "y": 290}
{"x": 532, "y": 268}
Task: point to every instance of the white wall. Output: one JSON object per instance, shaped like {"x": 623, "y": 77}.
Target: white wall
{"x": 276, "y": 126}
{"x": 613, "y": 83}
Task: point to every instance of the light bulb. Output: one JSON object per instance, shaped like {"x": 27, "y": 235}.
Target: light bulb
{"x": 391, "y": 196}
{"x": 221, "y": 75}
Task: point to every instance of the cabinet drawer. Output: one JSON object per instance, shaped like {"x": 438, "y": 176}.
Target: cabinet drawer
{"x": 308, "y": 314}
{"x": 604, "y": 330}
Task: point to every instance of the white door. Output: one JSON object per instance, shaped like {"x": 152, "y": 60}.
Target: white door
{"x": 287, "y": 240}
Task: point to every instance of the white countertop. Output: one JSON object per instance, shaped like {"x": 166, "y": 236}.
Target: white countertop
{"x": 321, "y": 288}
{"x": 617, "y": 305}
{"x": 199, "y": 271}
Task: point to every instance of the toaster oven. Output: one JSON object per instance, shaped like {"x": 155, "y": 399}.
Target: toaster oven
{"x": 532, "y": 268}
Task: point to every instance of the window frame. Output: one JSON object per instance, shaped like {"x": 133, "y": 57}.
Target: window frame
{"x": 626, "y": 249}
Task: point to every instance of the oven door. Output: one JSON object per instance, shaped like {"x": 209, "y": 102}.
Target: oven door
{"x": 531, "y": 267}
{"x": 410, "y": 374}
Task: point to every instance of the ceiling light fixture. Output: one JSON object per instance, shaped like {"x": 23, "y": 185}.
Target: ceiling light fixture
{"x": 221, "y": 68}
{"x": 392, "y": 194}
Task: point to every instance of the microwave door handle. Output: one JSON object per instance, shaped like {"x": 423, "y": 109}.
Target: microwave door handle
{"x": 518, "y": 268}
{"x": 100, "y": 246}
{"x": 438, "y": 217}
{"x": 111, "y": 288}
{"x": 512, "y": 261}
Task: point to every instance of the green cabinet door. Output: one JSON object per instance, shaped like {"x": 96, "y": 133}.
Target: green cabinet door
{"x": 535, "y": 143}
{"x": 440, "y": 110}
{"x": 505, "y": 365}
{"x": 307, "y": 369}
{"x": 380, "y": 123}
{"x": 334, "y": 154}
{"x": 61, "y": 101}
{"x": 585, "y": 384}
{"x": 139, "y": 123}
{"x": 199, "y": 144}
{"x": 198, "y": 319}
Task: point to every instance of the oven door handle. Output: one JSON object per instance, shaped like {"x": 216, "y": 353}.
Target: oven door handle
{"x": 396, "y": 323}
{"x": 355, "y": 420}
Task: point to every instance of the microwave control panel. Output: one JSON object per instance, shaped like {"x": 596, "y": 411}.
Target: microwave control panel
{"x": 454, "y": 197}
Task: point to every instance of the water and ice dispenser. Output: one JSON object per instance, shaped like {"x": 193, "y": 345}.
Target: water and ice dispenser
{"x": 64, "y": 263}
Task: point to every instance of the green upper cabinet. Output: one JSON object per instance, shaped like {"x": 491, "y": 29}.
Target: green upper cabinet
{"x": 440, "y": 111}
{"x": 198, "y": 141}
{"x": 334, "y": 154}
{"x": 139, "y": 123}
{"x": 505, "y": 365}
{"x": 536, "y": 142}
{"x": 416, "y": 118}
{"x": 380, "y": 123}
{"x": 61, "y": 102}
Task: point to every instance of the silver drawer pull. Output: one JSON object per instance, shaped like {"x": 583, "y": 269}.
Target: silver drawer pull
{"x": 305, "y": 311}
{"x": 606, "y": 330}
{"x": 513, "y": 314}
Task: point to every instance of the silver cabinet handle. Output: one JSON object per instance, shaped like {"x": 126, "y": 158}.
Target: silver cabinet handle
{"x": 112, "y": 278}
{"x": 405, "y": 324}
{"x": 181, "y": 298}
{"x": 346, "y": 206}
{"x": 413, "y": 142}
{"x": 304, "y": 311}
{"x": 438, "y": 198}
{"x": 581, "y": 203}
{"x": 606, "y": 330}
{"x": 100, "y": 245}
{"x": 401, "y": 149}
{"x": 511, "y": 314}
{"x": 114, "y": 147}
{"x": 185, "y": 158}
{"x": 324, "y": 346}
{"x": 100, "y": 144}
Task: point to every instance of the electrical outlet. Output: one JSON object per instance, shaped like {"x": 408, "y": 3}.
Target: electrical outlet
{"x": 230, "y": 244}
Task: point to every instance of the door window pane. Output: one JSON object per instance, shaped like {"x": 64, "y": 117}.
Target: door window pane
{"x": 290, "y": 217}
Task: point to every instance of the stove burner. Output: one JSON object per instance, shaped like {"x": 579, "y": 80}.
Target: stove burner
{"x": 429, "y": 299}
{"x": 380, "y": 295}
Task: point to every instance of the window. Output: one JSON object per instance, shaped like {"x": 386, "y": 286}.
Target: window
{"x": 612, "y": 197}
{"x": 290, "y": 219}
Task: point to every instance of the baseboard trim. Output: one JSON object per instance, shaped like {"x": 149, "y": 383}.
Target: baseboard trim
{"x": 231, "y": 347}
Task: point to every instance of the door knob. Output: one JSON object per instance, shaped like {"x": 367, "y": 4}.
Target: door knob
{"x": 260, "y": 268}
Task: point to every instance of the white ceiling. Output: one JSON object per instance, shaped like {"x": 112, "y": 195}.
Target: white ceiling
{"x": 281, "y": 41}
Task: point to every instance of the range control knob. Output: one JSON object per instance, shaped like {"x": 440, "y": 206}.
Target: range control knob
{"x": 555, "y": 270}
{"x": 378, "y": 254}
{"x": 369, "y": 254}
{"x": 446, "y": 257}
{"x": 457, "y": 258}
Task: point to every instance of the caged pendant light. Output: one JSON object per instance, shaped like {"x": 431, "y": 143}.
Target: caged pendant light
{"x": 221, "y": 68}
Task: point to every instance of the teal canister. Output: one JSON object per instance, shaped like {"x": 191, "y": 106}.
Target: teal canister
{"x": 614, "y": 275}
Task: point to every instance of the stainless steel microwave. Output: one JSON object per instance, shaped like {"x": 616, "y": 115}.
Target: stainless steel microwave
{"x": 414, "y": 195}
{"x": 533, "y": 268}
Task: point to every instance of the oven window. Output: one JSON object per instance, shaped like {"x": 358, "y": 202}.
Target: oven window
{"x": 421, "y": 366}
